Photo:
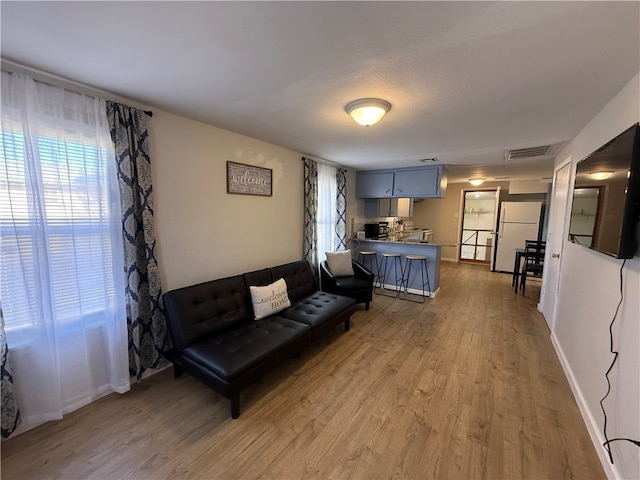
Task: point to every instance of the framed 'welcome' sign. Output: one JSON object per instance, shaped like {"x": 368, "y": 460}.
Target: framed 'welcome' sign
{"x": 248, "y": 179}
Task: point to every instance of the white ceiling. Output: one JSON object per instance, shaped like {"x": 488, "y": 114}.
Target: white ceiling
{"x": 467, "y": 80}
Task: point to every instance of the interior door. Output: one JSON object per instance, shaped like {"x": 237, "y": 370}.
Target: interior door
{"x": 555, "y": 240}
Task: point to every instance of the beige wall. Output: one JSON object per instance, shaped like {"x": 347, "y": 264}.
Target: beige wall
{"x": 355, "y": 206}
{"x": 204, "y": 233}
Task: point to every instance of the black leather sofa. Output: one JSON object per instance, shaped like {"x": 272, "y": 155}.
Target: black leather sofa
{"x": 358, "y": 286}
{"x": 217, "y": 340}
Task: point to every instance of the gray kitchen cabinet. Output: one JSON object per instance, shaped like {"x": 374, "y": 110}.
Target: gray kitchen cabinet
{"x": 418, "y": 182}
{"x": 414, "y": 182}
{"x": 374, "y": 184}
{"x": 388, "y": 207}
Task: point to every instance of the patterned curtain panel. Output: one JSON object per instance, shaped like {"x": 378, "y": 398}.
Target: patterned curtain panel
{"x": 310, "y": 240}
{"x": 341, "y": 209}
{"x": 146, "y": 322}
{"x": 10, "y": 411}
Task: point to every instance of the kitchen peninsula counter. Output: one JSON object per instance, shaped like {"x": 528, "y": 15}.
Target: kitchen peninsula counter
{"x": 420, "y": 242}
{"x": 433, "y": 252}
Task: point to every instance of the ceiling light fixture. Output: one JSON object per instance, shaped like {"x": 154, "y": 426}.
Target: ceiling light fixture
{"x": 476, "y": 181}
{"x": 600, "y": 175}
{"x": 368, "y": 111}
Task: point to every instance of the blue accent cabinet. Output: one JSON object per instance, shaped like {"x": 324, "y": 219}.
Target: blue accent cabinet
{"x": 374, "y": 184}
{"x": 413, "y": 182}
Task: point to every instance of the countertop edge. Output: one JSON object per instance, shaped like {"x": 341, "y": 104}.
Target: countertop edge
{"x": 409, "y": 242}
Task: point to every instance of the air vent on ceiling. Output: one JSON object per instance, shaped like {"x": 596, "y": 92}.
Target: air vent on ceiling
{"x": 520, "y": 153}
{"x": 430, "y": 159}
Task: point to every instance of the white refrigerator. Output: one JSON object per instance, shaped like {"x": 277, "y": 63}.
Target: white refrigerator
{"x": 519, "y": 221}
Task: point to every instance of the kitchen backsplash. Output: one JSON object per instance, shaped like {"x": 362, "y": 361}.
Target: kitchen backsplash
{"x": 357, "y": 223}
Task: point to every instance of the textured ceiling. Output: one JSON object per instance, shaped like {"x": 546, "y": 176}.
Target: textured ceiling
{"x": 467, "y": 80}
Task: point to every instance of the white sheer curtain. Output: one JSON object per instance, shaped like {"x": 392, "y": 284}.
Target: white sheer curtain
{"x": 327, "y": 214}
{"x": 61, "y": 271}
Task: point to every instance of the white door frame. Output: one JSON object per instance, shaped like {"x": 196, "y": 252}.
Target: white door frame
{"x": 463, "y": 194}
{"x": 494, "y": 234}
{"x": 548, "y": 294}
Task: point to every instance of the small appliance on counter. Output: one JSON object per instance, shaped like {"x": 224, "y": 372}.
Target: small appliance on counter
{"x": 376, "y": 230}
{"x": 427, "y": 236}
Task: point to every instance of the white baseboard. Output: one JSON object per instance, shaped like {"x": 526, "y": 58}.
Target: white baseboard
{"x": 592, "y": 426}
{"x": 415, "y": 291}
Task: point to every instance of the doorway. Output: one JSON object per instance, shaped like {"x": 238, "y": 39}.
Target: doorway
{"x": 478, "y": 226}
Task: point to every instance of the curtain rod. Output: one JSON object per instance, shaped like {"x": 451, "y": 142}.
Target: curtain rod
{"x": 321, "y": 160}
{"x": 57, "y": 81}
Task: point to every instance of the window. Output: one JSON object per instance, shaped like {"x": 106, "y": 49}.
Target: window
{"x": 63, "y": 232}
{"x": 327, "y": 212}
{"x": 61, "y": 251}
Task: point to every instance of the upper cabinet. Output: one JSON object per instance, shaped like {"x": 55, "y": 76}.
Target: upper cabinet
{"x": 388, "y": 207}
{"x": 418, "y": 182}
{"x": 374, "y": 184}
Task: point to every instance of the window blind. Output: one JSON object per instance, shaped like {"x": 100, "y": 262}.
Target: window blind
{"x": 76, "y": 244}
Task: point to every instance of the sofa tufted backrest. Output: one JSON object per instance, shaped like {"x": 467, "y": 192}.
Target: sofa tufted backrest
{"x": 299, "y": 277}
{"x": 258, "y": 278}
{"x": 197, "y": 311}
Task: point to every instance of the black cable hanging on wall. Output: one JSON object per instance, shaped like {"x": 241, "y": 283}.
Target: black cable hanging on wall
{"x": 608, "y": 441}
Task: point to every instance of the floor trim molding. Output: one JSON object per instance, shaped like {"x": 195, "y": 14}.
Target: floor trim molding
{"x": 592, "y": 426}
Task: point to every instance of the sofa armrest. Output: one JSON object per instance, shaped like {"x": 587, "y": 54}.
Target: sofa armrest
{"x": 361, "y": 271}
{"x": 327, "y": 280}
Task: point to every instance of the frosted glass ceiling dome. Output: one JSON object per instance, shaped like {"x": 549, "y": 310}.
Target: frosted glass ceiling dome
{"x": 368, "y": 111}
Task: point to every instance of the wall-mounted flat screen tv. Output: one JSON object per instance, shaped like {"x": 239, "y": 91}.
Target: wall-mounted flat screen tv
{"x": 606, "y": 197}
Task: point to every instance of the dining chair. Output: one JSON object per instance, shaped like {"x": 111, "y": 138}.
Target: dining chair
{"x": 535, "y": 242}
{"x": 534, "y": 252}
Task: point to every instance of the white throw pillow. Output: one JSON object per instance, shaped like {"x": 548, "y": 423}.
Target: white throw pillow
{"x": 340, "y": 263}
{"x": 269, "y": 299}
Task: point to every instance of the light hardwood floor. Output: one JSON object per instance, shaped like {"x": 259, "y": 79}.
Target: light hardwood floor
{"x": 465, "y": 386}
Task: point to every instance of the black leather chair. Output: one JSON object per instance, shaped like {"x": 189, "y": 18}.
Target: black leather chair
{"x": 534, "y": 261}
{"x": 358, "y": 286}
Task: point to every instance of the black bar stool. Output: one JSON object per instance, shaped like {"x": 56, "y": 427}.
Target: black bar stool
{"x": 382, "y": 278}
{"x": 406, "y": 274}
{"x": 372, "y": 257}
